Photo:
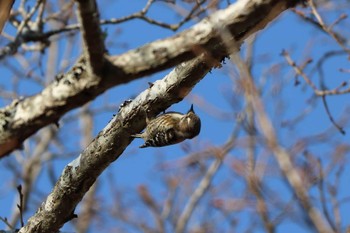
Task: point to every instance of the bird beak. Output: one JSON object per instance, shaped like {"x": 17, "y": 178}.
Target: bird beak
{"x": 191, "y": 109}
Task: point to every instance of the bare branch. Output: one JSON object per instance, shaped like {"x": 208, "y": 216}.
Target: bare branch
{"x": 203, "y": 185}
{"x": 281, "y": 155}
{"x": 81, "y": 173}
{"x": 5, "y": 8}
{"x": 20, "y": 205}
{"x": 149, "y": 201}
{"x": 322, "y": 93}
{"x": 323, "y": 196}
{"x": 12, "y": 47}
{"x": 32, "y": 169}
{"x": 336, "y": 91}
{"x": 26, "y": 116}
{"x": 94, "y": 47}
{"x": 319, "y": 23}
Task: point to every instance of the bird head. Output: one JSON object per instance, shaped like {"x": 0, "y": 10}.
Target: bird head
{"x": 191, "y": 123}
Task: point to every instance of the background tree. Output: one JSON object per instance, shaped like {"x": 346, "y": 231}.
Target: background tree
{"x": 272, "y": 154}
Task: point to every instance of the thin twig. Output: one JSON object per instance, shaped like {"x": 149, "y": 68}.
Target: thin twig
{"x": 204, "y": 184}
{"x": 322, "y": 93}
{"x": 329, "y": 114}
{"x": 281, "y": 155}
{"x": 20, "y": 205}
{"x": 319, "y": 22}
{"x": 5, "y": 220}
{"x": 323, "y": 196}
{"x": 30, "y": 14}
{"x": 317, "y": 91}
{"x": 149, "y": 201}
{"x": 12, "y": 47}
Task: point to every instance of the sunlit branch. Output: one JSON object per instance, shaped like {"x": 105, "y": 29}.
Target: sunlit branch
{"x": 23, "y": 118}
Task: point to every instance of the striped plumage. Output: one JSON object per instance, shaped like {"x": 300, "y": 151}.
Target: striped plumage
{"x": 170, "y": 128}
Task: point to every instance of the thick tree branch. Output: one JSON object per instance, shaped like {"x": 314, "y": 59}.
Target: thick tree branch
{"x": 94, "y": 47}
{"x": 5, "y": 8}
{"x": 79, "y": 175}
{"x": 24, "y": 117}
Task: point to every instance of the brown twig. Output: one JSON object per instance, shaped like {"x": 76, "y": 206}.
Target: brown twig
{"x": 323, "y": 197}
{"x": 204, "y": 184}
{"x": 329, "y": 114}
{"x": 149, "y": 201}
{"x": 333, "y": 191}
{"x": 319, "y": 23}
{"x": 20, "y": 205}
{"x": 281, "y": 155}
{"x": 31, "y": 170}
{"x": 77, "y": 87}
{"x": 337, "y": 21}
{"x": 5, "y": 8}
{"x": 5, "y": 220}
{"x": 12, "y": 47}
{"x": 318, "y": 92}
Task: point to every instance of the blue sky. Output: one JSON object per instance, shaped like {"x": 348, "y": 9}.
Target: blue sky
{"x": 138, "y": 166}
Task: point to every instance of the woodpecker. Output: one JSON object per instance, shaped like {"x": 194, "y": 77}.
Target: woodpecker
{"x": 170, "y": 128}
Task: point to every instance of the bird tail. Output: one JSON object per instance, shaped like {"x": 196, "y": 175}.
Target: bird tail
{"x": 141, "y": 135}
{"x": 144, "y": 145}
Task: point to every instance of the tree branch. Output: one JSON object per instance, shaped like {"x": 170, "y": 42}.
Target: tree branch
{"x": 24, "y": 117}
{"x": 281, "y": 155}
{"x": 94, "y": 47}
{"x": 204, "y": 184}
{"x": 79, "y": 175}
{"x": 5, "y": 8}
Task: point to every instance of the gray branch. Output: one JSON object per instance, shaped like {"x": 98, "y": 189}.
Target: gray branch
{"x": 24, "y": 117}
{"x": 78, "y": 176}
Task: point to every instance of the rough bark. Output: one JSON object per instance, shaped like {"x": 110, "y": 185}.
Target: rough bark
{"x": 24, "y": 117}
{"x": 241, "y": 19}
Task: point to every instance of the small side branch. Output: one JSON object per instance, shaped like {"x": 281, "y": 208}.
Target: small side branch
{"x": 94, "y": 47}
{"x": 322, "y": 93}
{"x": 204, "y": 185}
{"x": 281, "y": 155}
{"x": 5, "y": 8}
